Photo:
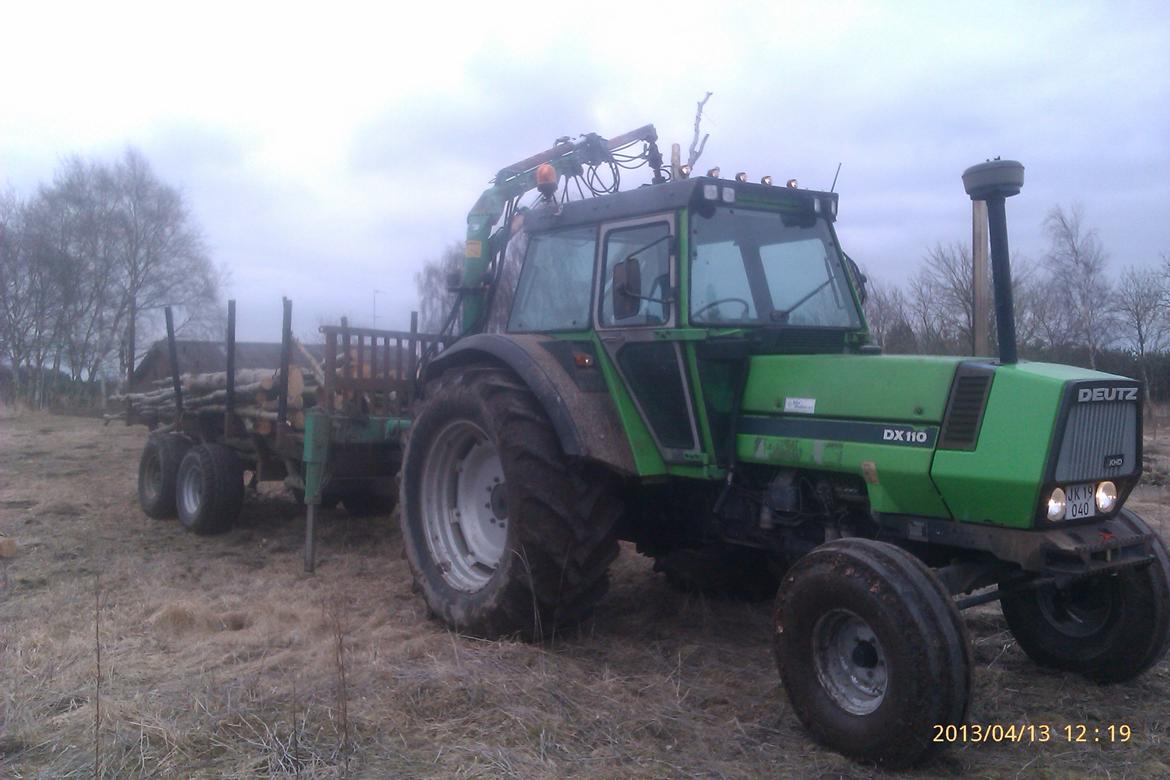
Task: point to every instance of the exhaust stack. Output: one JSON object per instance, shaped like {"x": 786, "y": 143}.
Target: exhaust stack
{"x": 993, "y": 182}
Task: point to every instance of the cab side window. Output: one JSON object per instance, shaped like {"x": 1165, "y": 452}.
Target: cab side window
{"x": 556, "y": 281}
{"x": 651, "y": 244}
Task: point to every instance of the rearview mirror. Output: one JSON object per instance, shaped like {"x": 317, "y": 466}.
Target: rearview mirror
{"x": 627, "y": 288}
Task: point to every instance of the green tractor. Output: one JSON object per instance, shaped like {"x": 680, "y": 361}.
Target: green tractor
{"x": 686, "y": 366}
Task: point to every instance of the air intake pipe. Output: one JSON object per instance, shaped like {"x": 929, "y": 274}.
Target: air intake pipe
{"x": 994, "y": 181}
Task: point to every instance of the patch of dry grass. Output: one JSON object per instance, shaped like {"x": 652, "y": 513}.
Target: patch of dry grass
{"x": 220, "y": 658}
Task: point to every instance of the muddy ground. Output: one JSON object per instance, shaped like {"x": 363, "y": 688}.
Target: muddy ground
{"x": 219, "y": 658}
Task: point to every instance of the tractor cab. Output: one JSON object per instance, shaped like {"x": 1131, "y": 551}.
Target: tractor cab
{"x": 752, "y": 255}
{"x": 676, "y": 285}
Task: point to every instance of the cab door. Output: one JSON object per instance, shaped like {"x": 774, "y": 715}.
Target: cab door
{"x": 639, "y": 342}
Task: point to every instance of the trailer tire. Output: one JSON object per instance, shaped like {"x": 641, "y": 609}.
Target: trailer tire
{"x": 210, "y": 489}
{"x": 722, "y": 570}
{"x": 504, "y": 534}
{"x": 1109, "y": 628}
{"x": 872, "y": 651}
{"x": 157, "y": 470}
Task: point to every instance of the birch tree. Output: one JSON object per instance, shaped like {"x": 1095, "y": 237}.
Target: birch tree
{"x": 1077, "y": 263}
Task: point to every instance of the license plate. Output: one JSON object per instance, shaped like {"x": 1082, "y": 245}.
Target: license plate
{"x": 1079, "y": 500}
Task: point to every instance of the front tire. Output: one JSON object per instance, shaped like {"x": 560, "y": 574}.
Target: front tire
{"x": 872, "y": 651}
{"x": 1110, "y": 628}
{"x": 503, "y": 533}
{"x": 210, "y": 489}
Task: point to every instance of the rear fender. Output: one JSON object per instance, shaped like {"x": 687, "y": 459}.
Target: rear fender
{"x": 575, "y": 397}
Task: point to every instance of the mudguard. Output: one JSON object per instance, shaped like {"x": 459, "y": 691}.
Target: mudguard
{"x": 567, "y": 381}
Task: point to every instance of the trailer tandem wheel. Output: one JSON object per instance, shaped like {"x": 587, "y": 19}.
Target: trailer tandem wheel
{"x": 157, "y": 472}
{"x": 210, "y": 489}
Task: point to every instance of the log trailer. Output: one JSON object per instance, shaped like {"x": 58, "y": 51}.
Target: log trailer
{"x": 344, "y": 448}
{"x": 686, "y": 366}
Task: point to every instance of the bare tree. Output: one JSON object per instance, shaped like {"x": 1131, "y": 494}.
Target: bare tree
{"x": 901, "y": 340}
{"x": 1165, "y": 274}
{"x": 31, "y": 282}
{"x": 1027, "y": 288}
{"x": 1141, "y": 315}
{"x": 161, "y": 254}
{"x": 697, "y": 146}
{"x": 1141, "y": 310}
{"x": 435, "y": 301}
{"x": 71, "y": 223}
{"x": 1077, "y": 263}
{"x": 885, "y": 310}
{"x": 940, "y": 302}
{"x": 86, "y": 266}
{"x": 8, "y": 212}
{"x": 18, "y": 286}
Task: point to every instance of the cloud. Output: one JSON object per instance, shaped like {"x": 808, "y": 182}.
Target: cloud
{"x": 327, "y": 155}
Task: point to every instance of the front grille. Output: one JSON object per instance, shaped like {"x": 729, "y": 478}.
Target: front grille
{"x": 1095, "y": 434}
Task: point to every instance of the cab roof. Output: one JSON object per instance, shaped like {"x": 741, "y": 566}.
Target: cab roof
{"x": 655, "y": 198}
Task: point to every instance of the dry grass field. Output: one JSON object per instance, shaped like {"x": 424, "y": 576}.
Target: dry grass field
{"x": 220, "y": 658}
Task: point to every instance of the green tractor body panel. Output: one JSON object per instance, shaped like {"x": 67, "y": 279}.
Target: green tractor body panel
{"x": 840, "y": 413}
{"x": 647, "y": 459}
{"x": 881, "y": 418}
{"x": 888, "y": 388}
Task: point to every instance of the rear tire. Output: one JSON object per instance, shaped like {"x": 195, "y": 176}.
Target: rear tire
{"x": 157, "y": 470}
{"x": 210, "y": 489}
{"x": 1109, "y": 628}
{"x": 722, "y": 571}
{"x": 503, "y": 533}
{"x": 872, "y": 651}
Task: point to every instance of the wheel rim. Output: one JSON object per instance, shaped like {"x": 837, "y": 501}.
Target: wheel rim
{"x": 849, "y": 661}
{"x": 190, "y": 490}
{"x": 152, "y": 477}
{"x": 464, "y": 505}
{"x": 1081, "y": 610}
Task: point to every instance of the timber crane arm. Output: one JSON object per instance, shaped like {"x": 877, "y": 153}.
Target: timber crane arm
{"x": 567, "y": 158}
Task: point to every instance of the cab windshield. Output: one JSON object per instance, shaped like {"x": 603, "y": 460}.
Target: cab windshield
{"x": 761, "y": 267}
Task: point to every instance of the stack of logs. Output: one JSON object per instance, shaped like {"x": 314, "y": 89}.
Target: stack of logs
{"x": 257, "y": 397}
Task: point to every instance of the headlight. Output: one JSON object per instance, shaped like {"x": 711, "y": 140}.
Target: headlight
{"x": 1056, "y": 504}
{"x": 1106, "y": 496}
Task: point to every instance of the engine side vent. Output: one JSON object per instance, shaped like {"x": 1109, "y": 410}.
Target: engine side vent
{"x": 964, "y": 415}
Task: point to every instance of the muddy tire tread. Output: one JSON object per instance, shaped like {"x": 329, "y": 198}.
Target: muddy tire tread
{"x": 556, "y": 567}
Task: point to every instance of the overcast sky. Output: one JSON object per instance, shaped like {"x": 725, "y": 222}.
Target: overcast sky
{"x": 327, "y": 152}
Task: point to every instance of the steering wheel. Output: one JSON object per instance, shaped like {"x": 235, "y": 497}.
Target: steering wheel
{"x": 747, "y": 307}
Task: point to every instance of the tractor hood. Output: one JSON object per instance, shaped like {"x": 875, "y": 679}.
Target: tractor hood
{"x": 886, "y": 388}
{"x": 1043, "y": 426}
{"x": 960, "y": 438}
